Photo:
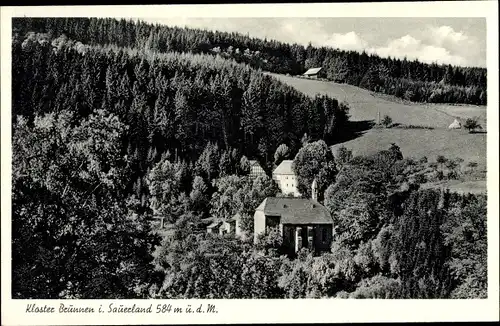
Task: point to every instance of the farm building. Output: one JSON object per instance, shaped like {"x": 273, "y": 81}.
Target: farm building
{"x": 302, "y": 223}
{"x": 286, "y": 178}
{"x": 255, "y": 169}
{"x": 223, "y": 227}
{"x": 159, "y": 220}
{"x": 314, "y": 73}
{"x": 455, "y": 125}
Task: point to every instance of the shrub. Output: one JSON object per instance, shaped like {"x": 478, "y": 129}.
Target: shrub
{"x": 270, "y": 241}
{"x": 471, "y": 125}
{"x": 387, "y": 121}
{"x": 414, "y": 127}
{"x": 378, "y": 287}
{"x": 441, "y": 160}
{"x": 472, "y": 164}
{"x": 420, "y": 178}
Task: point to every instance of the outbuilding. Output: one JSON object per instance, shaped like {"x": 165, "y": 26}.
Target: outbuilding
{"x": 314, "y": 73}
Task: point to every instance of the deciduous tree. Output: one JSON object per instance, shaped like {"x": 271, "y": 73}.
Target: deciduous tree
{"x": 314, "y": 160}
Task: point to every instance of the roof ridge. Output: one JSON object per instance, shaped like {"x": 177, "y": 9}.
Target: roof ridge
{"x": 262, "y": 205}
{"x": 296, "y": 210}
{"x": 285, "y": 167}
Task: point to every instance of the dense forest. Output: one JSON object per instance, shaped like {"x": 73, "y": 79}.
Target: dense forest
{"x": 410, "y": 80}
{"x": 176, "y": 102}
{"x": 109, "y": 136}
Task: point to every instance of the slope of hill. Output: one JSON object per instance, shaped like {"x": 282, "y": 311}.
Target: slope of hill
{"x": 364, "y": 105}
{"x": 413, "y": 142}
{"x": 170, "y": 101}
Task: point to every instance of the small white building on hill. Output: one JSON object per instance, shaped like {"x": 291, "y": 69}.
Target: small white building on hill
{"x": 455, "y": 125}
{"x": 314, "y": 73}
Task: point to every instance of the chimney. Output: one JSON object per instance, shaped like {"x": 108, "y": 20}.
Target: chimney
{"x": 314, "y": 190}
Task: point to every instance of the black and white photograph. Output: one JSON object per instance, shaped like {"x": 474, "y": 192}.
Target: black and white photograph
{"x": 193, "y": 157}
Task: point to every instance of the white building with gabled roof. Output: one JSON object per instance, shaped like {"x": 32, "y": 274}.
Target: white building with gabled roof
{"x": 286, "y": 178}
{"x": 456, "y": 124}
{"x": 301, "y": 222}
{"x": 256, "y": 169}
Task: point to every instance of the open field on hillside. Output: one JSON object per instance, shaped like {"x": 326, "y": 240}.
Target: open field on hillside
{"x": 365, "y": 106}
{"x": 418, "y": 143}
{"x": 414, "y": 143}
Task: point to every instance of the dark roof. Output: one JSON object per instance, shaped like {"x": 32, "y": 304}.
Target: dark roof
{"x": 296, "y": 210}
{"x": 214, "y": 224}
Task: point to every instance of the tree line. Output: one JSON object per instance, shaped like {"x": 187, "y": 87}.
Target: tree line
{"x": 411, "y": 80}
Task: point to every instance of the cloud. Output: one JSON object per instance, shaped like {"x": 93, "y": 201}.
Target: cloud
{"x": 441, "y": 44}
{"x": 445, "y": 35}
{"x": 347, "y": 41}
{"x": 296, "y": 30}
{"x": 427, "y": 43}
{"x": 412, "y": 48}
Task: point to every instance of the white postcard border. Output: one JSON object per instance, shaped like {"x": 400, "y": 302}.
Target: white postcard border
{"x": 264, "y": 311}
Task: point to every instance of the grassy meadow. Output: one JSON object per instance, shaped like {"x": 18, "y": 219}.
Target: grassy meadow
{"x": 416, "y": 143}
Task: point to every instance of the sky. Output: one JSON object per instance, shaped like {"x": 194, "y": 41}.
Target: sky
{"x": 456, "y": 41}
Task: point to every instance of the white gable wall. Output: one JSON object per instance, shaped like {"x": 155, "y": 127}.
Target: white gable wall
{"x": 287, "y": 183}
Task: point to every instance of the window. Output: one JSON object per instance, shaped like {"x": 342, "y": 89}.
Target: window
{"x": 310, "y": 236}
{"x": 298, "y": 239}
{"x": 324, "y": 234}
{"x": 272, "y": 221}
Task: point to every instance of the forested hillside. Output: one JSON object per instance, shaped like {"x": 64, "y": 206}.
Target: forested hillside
{"x": 174, "y": 102}
{"x": 411, "y": 80}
